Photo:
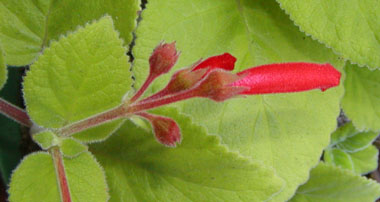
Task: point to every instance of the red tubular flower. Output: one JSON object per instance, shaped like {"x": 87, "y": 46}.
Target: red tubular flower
{"x": 165, "y": 130}
{"x": 287, "y": 77}
{"x": 225, "y": 61}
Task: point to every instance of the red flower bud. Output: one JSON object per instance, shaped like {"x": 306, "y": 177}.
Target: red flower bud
{"x": 163, "y": 58}
{"x": 165, "y": 129}
{"x": 217, "y": 86}
{"x": 287, "y": 77}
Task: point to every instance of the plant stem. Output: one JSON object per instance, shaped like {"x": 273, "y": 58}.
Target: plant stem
{"x": 104, "y": 117}
{"x": 122, "y": 111}
{"x": 61, "y": 175}
{"x": 15, "y": 113}
{"x": 149, "y": 104}
{"x": 146, "y": 84}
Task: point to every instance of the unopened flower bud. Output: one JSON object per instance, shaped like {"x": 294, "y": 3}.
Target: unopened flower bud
{"x": 163, "y": 58}
{"x": 165, "y": 129}
{"x": 217, "y": 86}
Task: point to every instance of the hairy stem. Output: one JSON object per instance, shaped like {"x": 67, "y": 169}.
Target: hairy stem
{"x": 15, "y": 113}
{"x": 61, "y": 175}
{"x": 104, "y": 117}
{"x": 146, "y": 84}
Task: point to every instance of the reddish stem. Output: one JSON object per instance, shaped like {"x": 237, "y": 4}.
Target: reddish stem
{"x": 146, "y": 84}
{"x": 122, "y": 112}
{"x": 15, "y": 113}
{"x": 93, "y": 121}
{"x": 149, "y": 104}
{"x": 61, "y": 175}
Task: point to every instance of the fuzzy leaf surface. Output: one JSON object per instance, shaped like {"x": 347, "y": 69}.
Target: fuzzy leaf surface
{"x": 351, "y": 28}
{"x": 45, "y": 139}
{"x": 36, "y": 173}
{"x": 362, "y": 97}
{"x": 285, "y": 131}
{"x": 81, "y": 75}
{"x": 328, "y": 183}
{"x": 27, "y": 26}
{"x": 138, "y": 168}
{"x": 71, "y": 147}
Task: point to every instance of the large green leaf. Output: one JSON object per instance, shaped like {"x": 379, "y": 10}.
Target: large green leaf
{"x": 27, "y": 26}
{"x": 362, "y": 97}
{"x": 36, "y": 173}
{"x": 3, "y": 69}
{"x": 138, "y": 168}
{"x": 81, "y": 75}
{"x": 332, "y": 184}
{"x": 351, "y": 28}
{"x": 286, "y": 131}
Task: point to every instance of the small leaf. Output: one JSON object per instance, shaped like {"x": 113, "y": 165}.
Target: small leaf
{"x": 36, "y": 173}
{"x": 328, "y": 183}
{"x": 45, "y": 139}
{"x": 71, "y": 147}
{"x": 349, "y": 139}
{"x": 362, "y": 97}
{"x": 365, "y": 160}
{"x": 351, "y": 28}
{"x": 81, "y": 75}
{"x": 339, "y": 158}
{"x": 200, "y": 169}
{"x": 28, "y": 26}
{"x": 3, "y": 70}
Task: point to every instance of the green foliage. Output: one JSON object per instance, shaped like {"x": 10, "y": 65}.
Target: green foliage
{"x": 281, "y": 130}
{"x": 328, "y": 183}
{"x": 45, "y": 139}
{"x": 199, "y": 169}
{"x": 28, "y": 26}
{"x": 362, "y": 97}
{"x": 3, "y": 69}
{"x": 351, "y": 28}
{"x": 34, "y": 179}
{"x": 352, "y": 150}
{"x": 71, "y": 147}
{"x": 81, "y": 75}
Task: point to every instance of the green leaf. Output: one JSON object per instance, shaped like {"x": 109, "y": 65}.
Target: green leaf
{"x": 3, "y": 70}
{"x": 281, "y": 130}
{"x": 81, "y": 75}
{"x": 138, "y": 168}
{"x": 365, "y": 160}
{"x": 328, "y": 183}
{"x": 339, "y": 158}
{"x": 45, "y": 139}
{"x": 351, "y": 28}
{"x": 27, "y": 26}
{"x": 352, "y": 149}
{"x": 362, "y": 97}
{"x": 71, "y": 147}
{"x": 36, "y": 173}
{"x": 349, "y": 139}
